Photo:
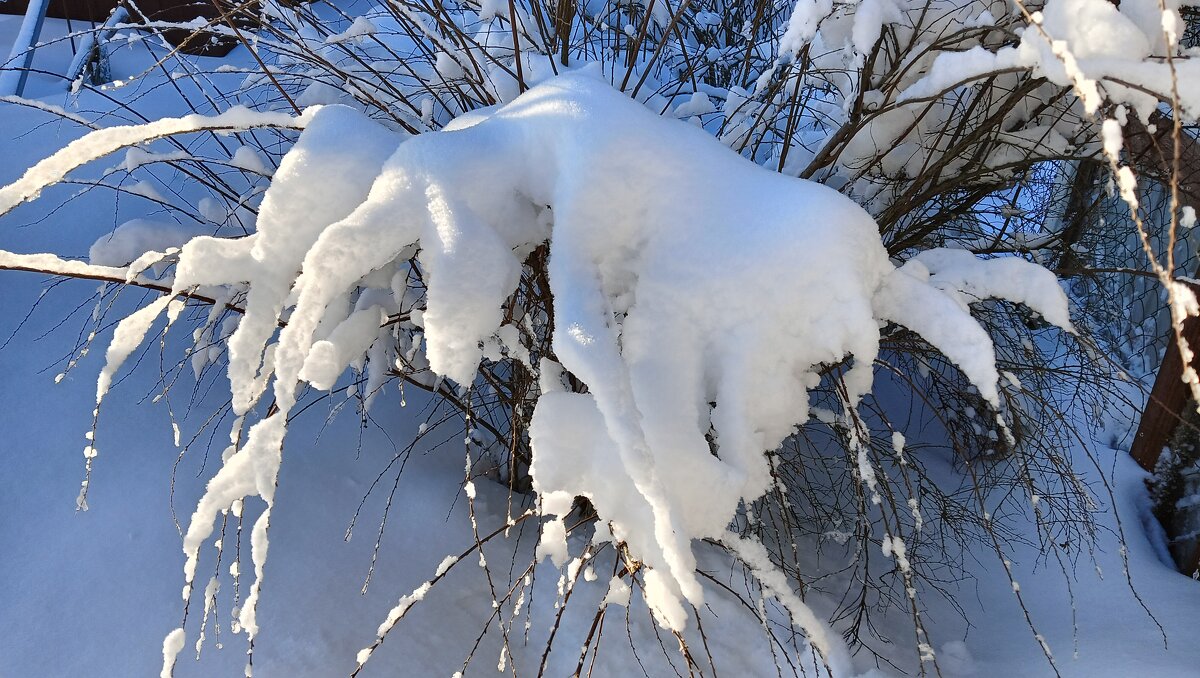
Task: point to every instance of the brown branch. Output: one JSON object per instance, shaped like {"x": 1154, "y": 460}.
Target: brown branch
{"x": 120, "y": 280}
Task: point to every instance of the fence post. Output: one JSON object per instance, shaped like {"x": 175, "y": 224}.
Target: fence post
{"x": 1167, "y": 399}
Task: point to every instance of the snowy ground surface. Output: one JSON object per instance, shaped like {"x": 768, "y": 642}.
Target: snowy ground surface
{"x": 93, "y": 593}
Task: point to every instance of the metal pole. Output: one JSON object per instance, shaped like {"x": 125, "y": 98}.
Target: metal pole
{"x": 92, "y": 45}
{"x": 16, "y": 68}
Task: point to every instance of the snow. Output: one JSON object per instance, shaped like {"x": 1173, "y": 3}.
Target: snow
{"x": 1008, "y": 278}
{"x": 327, "y": 224}
{"x": 328, "y": 358}
{"x": 400, "y": 609}
{"x": 1089, "y": 45}
{"x": 443, "y": 567}
{"x": 833, "y": 650}
{"x": 1094, "y": 28}
{"x": 553, "y": 542}
{"x": 135, "y": 237}
{"x": 108, "y": 140}
{"x": 643, "y": 409}
{"x": 698, "y": 104}
{"x": 802, "y": 25}
{"x": 618, "y": 593}
{"x": 321, "y": 264}
{"x": 11, "y": 77}
{"x": 52, "y": 264}
{"x": 130, "y": 333}
{"x": 136, "y": 157}
{"x": 248, "y": 159}
{"x": 360, "y": 27}
{"x": 45, "y": 106}
{"x": 172, "y": 644}
{"x": 326, "y": 173}
{"x": 869, "y": 18}
{"x": 930, "y": 293}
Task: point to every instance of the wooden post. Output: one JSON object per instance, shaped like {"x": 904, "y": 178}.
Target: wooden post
{"x": 1169, "y": 396}
{"x": 1163, "y": 413}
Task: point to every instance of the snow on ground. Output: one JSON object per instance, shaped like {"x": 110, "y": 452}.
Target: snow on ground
{"x": 1115, "y": 636}
{"x": 93, "y": 593}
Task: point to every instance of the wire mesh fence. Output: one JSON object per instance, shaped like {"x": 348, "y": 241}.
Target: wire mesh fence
{"x": 1121, "y": 299}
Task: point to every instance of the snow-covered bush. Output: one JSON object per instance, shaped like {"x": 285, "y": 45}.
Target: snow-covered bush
{"x": 649, "y": 323}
